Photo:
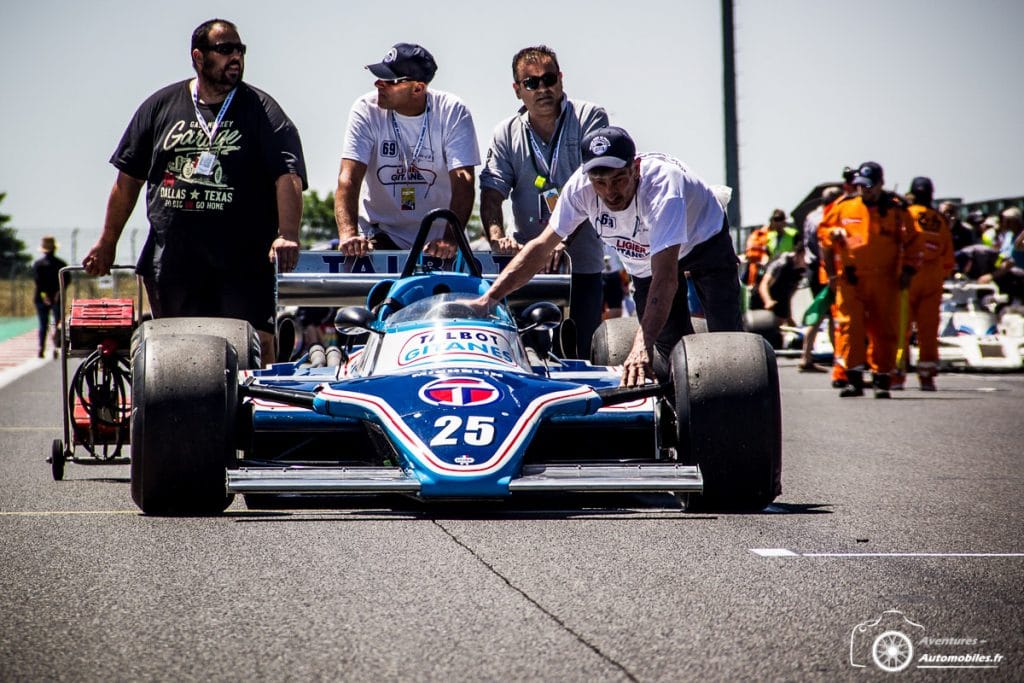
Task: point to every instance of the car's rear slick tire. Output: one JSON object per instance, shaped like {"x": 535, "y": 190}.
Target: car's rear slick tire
{"x": 762, "y": 322}
{"x": 238, "y": 333}
{"x": 613, "y": 340}
{"x": 184, "y": 404}
{"x": 729, "y": 418}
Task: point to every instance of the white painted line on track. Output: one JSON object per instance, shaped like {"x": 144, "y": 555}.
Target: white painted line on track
{"x": 57, "y": 513}
{"x": 784, "y": 552}
{"x": 773, "y": 552}
{"x": 17, "y": 372}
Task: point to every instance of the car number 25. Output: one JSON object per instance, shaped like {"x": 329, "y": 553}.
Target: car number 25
{"x": 477, "y": 430}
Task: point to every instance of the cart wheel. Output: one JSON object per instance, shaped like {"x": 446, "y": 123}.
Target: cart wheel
{"x": 57, "y": 459}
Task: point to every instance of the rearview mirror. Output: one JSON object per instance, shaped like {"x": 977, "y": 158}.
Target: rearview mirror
{"x": 353, "y": 320}
{"x": 542, "y": 315}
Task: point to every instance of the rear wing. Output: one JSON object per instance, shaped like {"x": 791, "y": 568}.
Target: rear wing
{"x": 329, "y": 278}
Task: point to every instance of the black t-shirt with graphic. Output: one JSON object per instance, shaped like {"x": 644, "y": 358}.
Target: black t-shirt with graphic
{"x": 226, "y": 219}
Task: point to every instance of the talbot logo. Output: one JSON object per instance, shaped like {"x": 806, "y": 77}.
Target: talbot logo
{"x": 599, "y": 145}
{"x": 464, "y": 460}
{"x": 459, "y": 391}
{"x": 390, "y": 56}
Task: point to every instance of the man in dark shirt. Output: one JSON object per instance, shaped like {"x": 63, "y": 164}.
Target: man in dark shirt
{"x": 976, "y": 260}
{"x": 780, "y": 282}
{"x": 46, "y": 273}
{"x": 225, "y": 175}
{"x": 963, "y": 234}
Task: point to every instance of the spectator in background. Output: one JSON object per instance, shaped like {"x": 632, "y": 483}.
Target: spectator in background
{"x": 408, "y": 150}
{"x": 817, "y": 276}
{"x": 781, "y": 278}
{"x": 1011, "y": 220}
{"x": 963, "y": 234}
{"x": 767, "y": 242}
{"x": 46, "y": 273}
{"x": 997, "y": 236}
{"x": 976, "y": 260}
{"x": 1010, "y": 280}
{"x": 531, "y": 156}
{"x": 976, "y": 219}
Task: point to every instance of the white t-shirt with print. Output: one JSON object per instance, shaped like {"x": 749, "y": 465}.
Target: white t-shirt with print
{"x": 390, "y": 199}
{"x": 672, "y": 207}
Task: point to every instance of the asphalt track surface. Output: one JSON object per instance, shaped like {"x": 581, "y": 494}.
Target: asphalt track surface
{"x": 912, "y": 504}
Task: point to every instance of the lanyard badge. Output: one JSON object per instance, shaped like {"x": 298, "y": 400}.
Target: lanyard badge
{"x": 204, "y": 165}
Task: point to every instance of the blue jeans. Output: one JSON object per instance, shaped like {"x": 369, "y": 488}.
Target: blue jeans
{"x": 43, "y": 312}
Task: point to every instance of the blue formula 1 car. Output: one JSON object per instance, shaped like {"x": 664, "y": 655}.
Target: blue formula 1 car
{"x": 440, "y": 402}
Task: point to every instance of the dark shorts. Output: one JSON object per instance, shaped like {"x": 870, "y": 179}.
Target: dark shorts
{"x": 250, "y": 296}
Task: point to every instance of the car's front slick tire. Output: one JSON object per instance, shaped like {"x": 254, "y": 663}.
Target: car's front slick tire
{"x": 184, "y": 403}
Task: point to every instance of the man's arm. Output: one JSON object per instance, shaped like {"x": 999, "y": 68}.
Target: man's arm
{"x": 461, "y": 204}
{"x": 285, "y": 249}
{"x": 493, "y": 219}
{"x": 463, "y": 193}
{"x": 346, "y": 208}
{"x": 123, "y": 196}
{"x": 763, "y": 288}
{"x": 664, "y": 283}
{"x": 527, "y": 263}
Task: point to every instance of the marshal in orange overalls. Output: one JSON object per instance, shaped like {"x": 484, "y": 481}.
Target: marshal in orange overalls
{"x": 933, "y": 258}
{"x": 870, "y": 241}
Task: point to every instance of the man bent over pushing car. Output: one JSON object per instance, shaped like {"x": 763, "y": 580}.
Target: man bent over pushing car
{"x": 664, "y": 222}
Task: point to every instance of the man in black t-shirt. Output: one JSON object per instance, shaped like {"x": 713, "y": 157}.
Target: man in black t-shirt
{"x": 781, "y": 278}
{"x": 46, "y": 274}
{"x": 225, "y": 175}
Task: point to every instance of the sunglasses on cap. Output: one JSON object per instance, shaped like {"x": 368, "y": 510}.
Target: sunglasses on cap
{"x": 534, "y": 82}
{"x": 227, "y": 48}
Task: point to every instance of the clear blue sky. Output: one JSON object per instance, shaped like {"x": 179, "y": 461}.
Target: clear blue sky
{"x": 924, "y": 87}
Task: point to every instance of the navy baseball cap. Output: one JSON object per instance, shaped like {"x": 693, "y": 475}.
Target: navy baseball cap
{"x": 405, "y": 60}
{"x": 869, "y": 174}
{"x": 922, "y": 186}
{"x": 609, "y": 147}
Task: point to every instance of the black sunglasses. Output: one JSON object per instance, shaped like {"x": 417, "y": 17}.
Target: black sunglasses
{"x": 227, "y": 48}
{"x": 533, "y": 82}
{"x": 394, "y": 81}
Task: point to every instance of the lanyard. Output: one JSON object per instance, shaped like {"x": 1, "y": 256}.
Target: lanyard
{"x": 545, "y": 174}
{"x": 419, "y": 143}
{"x": 210, "y": 130}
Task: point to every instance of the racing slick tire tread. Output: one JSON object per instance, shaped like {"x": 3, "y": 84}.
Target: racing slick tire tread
{"x": 613, "y": 340}
{"x": 729, "y": 418}
{"x": 762, "y": 322}
{"x": 184, "y": 404}
{"x": 238, "y": 333}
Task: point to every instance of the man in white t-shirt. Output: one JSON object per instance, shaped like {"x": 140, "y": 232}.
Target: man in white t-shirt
{"x": 663, "y": 222}
{"x": 407, "y": 150}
